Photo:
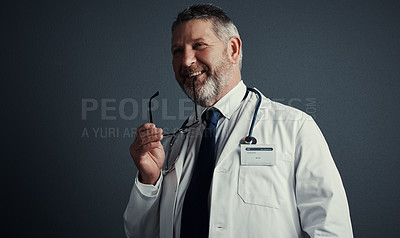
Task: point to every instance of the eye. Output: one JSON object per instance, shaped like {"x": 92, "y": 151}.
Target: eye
{"x": 199, "y": 45}
{"x": 176, "y": 51}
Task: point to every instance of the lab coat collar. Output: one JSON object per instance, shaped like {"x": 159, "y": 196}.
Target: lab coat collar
{"x": 229, "y": 103}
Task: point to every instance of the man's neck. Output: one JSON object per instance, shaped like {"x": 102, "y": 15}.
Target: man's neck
{"x": 235, "y": 80}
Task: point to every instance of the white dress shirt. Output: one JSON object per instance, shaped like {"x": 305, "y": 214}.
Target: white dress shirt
{"x": 302, "y": 192}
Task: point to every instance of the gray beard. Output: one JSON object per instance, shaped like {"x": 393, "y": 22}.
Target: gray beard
{"x": 213, "y": 87}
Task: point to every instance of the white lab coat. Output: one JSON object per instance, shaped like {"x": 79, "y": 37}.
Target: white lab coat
{"x": 302, "y": 192}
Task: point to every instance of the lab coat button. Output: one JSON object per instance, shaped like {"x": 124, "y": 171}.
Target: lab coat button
{"x": 219, "y": 227}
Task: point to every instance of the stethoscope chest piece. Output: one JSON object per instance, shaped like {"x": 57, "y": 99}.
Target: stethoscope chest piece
{"x": 248, "y": 140}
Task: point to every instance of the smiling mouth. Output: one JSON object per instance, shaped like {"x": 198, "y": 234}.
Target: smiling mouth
{"x": 195, "y": 74}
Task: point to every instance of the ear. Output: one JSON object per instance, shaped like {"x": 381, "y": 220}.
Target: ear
{"x": 234, "y": 49}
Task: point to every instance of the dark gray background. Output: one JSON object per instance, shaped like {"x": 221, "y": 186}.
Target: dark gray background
{"x": 342, "y": 55}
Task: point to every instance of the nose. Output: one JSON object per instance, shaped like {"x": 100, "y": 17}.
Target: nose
{"x": 189, "y": 57}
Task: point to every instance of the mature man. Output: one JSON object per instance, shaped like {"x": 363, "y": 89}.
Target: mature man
{"x": 218, "y": 183}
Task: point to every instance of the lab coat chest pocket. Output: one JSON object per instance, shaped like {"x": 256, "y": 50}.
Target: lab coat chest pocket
{"x": 265, "y": 185}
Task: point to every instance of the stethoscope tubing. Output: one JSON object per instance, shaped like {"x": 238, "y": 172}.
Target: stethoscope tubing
{"x": 256, "y": 111}
{"x": 182, "y": 130}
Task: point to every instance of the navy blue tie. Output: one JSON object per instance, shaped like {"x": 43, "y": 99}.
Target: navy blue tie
{"x": 195, "y": 213}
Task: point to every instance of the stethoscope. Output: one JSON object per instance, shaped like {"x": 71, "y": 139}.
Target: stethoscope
{"x": 179, "y": 134}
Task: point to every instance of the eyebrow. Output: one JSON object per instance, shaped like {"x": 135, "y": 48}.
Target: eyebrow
{"x": 194, "y": 40}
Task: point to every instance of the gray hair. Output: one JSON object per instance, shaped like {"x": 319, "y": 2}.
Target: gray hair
{"x": 223, "y": 26}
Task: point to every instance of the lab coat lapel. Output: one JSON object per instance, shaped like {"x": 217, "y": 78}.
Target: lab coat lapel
{"x": 245, "y": 118}
{"x": 170, "y": 186}
{"x": 262, "y": 112}
{"x": 167, "y": 204}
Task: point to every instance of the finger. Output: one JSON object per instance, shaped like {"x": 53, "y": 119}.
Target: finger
{"x": 138, "y": 151}
{"x": 145, "y": 127}
{"x": 149, "y": 146}
{"x": 152, "y": 135}
{"x": 149, "y": 132}
{"x": 157, "y": 137}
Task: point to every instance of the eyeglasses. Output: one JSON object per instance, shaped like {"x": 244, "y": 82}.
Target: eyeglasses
{"x": 184, "y": 127}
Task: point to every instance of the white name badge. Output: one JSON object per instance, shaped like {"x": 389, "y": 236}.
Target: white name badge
{"x": 259, "y": 155}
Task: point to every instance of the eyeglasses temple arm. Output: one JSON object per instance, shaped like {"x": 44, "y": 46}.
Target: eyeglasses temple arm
{"x": 195, "y": 98}
{"x": 150, "y": 113}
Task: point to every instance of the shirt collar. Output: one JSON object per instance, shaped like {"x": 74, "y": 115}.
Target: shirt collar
{"x": 228, "y": 103}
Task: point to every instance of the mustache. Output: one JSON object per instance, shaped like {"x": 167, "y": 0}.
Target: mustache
{"x": 193, "y": 69}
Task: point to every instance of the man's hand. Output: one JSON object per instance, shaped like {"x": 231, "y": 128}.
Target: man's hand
{"x": 148, "y": 153}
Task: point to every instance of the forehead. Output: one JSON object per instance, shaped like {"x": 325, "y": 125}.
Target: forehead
{"x": 192, "y": 30}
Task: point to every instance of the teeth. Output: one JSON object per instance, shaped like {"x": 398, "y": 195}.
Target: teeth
{"x": 194, "y": 74}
